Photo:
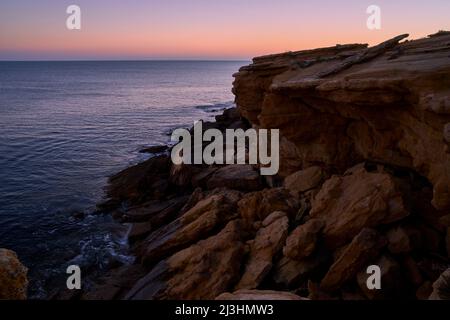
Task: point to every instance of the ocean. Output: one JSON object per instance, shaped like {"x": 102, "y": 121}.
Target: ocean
{"x": 65, "y": 127}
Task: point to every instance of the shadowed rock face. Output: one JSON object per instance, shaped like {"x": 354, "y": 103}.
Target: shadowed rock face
{"x": 339, "y": 105}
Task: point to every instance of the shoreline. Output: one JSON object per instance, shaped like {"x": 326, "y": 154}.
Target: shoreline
{"x": 239, "y": 234}
{"x": 362, "y": 183}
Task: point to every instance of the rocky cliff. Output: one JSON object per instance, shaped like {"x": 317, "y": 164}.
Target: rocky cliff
{"x": 364, "y": 180}
{"x": 340, "y": 105}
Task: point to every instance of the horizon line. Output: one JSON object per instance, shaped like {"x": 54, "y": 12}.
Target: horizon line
{"x": 124, "y": 60}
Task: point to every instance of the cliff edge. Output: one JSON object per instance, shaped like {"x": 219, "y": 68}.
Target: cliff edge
{"x": 364, "y": 183}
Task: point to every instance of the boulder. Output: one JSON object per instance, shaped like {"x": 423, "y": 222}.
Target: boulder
{"x": 364, "y": 249}
{"x": 289, "y": 273}
{"x": 304, "y": 180}
{"x": 256, "y": 206}
{"x": 236, "y": 176}
{"x": 302, "y": 242}
{"x": 259, "y": 295}
{"x": 202, "y": 271}
{"x": 197, "y": 223}
{"x": 268, "y": 242}
{"x": 142, "y": 182}
{"x": 13, "y": 277}
{"x": 355, "y": 201}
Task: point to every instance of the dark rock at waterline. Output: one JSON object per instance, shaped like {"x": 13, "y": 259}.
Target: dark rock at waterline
{"x": 155, "y": 149}
{"x": 144, "y": 181}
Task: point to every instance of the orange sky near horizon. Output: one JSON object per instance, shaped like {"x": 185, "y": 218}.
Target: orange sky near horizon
{"x": 197, "y": 29}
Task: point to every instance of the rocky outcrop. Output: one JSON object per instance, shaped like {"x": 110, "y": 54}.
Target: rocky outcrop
{"x": 302, "y": 242}
{"x": 339, "y": 105}
{"x": 202, "y": 271}
{"x": 267, "y": 243}
{"x": 357, "y": 254}
{"x": 199, "y": 221}
{"x": 364, "y": 180}
{"x": 357, "y": 200}
{"x": 13, "y": 277}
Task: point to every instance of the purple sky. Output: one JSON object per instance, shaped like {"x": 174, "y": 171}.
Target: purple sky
{"x": 203, "y": 29}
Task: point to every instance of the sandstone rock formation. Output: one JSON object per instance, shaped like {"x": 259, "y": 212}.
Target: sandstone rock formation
{"x": 339, "y": 105}
{"x": 364, "y": 179}
{"x": 13, "y": 277}
{"x": 358, "y": 200}
{"x": 302, "y": 242}
{"x": 267, "y": 243}
{"x": 202, "y": 271}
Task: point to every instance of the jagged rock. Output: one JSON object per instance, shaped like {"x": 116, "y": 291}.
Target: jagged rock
{"x": 339, "y": 105}
{"x": 364, "y": 248}
{"x": 352, "y": 202}
{"x": 228, "y": 116}
{"x": 13, "y": 277}
{"x": 154, "y": 149}
{"x": 138, "y": 231}
{"x": 239, "y": 177}
{"x": 144, "y": 181}
{"x": 304, "y": 180}
{"x": 259, "y": 295}
{"x": 288, "y": 272}
{"x": 202, "y": 271}
{"x": 391, "y": 280}
{"x": 201, "y": 179}
{"x": 441, "y": 287}
{"x": 256, "y": 206}
{"x": 302, "y": 242}
{"x": 268, "y": 242}
{"x": 193, "y": 225}
{"x": 155, "y": 212}
{"x": 181, "y": 175}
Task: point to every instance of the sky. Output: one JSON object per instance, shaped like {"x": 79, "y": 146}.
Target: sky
{"x": 203, "y": 29}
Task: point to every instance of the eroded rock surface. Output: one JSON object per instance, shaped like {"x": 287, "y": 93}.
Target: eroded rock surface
{"x": 364, "y": 179}
{"x": 336, "y": 106}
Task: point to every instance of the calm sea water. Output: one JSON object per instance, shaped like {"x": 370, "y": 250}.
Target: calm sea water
{"x": 64, "y": 128}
